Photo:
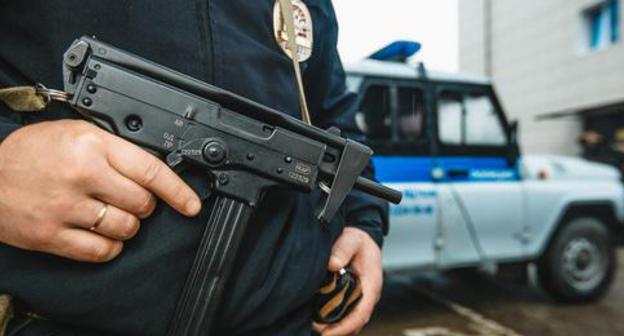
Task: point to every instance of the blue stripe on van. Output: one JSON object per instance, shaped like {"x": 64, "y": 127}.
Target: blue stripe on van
{"x": 403, "y": 169}
{"x": 457, "y": 169}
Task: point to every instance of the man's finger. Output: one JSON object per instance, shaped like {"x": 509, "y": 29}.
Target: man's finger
{"x": 318, "y": 327}
{"x": 343, "y": 251}
{"x": 368, "y": 268}
{"x": 116, "y": 224}
{"x": 151, "y": 173}
{"x": 115, "y": 189}
{"x": 86, "y": 246}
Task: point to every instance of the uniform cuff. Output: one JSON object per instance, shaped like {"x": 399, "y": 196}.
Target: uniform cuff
{"x": 9, "y": 122}
{"x": 7, "y": 129}
{"x": 371, "y": 223}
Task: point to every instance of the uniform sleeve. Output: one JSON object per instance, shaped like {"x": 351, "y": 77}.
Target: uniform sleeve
{"x": 9, "y": 121}
{"x": 332, "y": 105}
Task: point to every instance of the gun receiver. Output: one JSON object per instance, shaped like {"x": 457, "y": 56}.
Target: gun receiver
{"x": 243, "y": 147}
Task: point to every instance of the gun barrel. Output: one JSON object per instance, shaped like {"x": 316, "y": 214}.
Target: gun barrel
{"x": 378, "y": 190}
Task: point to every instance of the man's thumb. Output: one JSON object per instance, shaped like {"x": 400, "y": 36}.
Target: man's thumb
{"x": 343, "y": 251}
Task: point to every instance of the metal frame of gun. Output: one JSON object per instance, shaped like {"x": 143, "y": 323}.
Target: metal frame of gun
{"x": 243, "y": 147}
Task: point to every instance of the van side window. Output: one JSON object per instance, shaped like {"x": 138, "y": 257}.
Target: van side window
{"x": 469, "y": 120}
{"x": 411, "y": 123}
{"x": 376, "y": 120}
{"x": 450, "y": 120}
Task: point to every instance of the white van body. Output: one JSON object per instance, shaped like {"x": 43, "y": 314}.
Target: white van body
{"x": 470, "y": 197}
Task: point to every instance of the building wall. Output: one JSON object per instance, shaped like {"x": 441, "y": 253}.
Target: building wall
{"x": 472, "y": 37}
{"x": 535, "y": 56}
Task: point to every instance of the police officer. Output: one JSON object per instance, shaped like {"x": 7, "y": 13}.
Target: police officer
{"x": 98, "y": 235}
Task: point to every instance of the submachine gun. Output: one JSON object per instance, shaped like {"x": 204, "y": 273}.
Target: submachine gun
{"x": 243, "y": 148}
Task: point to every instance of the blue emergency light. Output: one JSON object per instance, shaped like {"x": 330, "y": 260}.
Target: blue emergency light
{"x": 398, "y": 51}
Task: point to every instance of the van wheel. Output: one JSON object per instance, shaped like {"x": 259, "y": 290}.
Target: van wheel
{"x": 580, "y": 261}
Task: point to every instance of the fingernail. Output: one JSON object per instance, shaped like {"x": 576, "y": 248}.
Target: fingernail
{"x": 335, "y": 261}
{"x": 193, "y": 206}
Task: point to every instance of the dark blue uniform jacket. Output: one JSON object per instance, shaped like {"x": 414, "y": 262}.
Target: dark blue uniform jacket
{"x": 229, "y": 43}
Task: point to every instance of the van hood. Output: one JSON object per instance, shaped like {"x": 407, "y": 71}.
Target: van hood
{"x": 550, "y": 167}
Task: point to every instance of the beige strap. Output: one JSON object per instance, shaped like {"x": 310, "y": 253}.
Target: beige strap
{"x": 23, "y": 99}
{"x": 6, "y": 313}
{"x": 288, "y": 16}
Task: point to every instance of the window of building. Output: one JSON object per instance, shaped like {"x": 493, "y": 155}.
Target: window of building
{"x": 602, "y": 24}
{"x": 469, "y": 120}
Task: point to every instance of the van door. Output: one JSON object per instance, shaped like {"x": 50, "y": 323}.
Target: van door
{"x": 476, "y": 173}
{"x": 394, "y": 119}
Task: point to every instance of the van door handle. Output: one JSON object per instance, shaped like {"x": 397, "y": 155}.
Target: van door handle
{"x": 457, "y": 173}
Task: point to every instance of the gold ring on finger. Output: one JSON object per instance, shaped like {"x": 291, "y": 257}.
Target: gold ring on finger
{"x": 100, "y": 217}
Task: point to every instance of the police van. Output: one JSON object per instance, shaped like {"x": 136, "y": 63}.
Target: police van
{"x": 471, "y": 199}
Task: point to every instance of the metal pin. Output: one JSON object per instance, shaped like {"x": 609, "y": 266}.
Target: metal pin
{"x": 50, "y": 94}
{"x": 324, "y": 187}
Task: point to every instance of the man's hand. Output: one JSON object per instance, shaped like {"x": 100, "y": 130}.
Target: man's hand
{"x": 356, "y": 249}
{"x": 57, "y": 177}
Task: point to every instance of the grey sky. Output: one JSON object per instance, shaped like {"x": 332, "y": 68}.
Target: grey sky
{"x": 366, "y": 26}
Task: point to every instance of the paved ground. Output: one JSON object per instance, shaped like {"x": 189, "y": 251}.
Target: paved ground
{"x": 471, "y": 304}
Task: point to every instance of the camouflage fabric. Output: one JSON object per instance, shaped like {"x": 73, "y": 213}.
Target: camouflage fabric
{"x": 6, "y": 313}
{"x": 22, "y": 99}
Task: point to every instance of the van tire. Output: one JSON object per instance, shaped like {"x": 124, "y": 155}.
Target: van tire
{"x": 580, "y": 262}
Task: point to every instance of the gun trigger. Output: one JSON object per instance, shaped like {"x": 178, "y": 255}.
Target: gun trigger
{"x": 175, "y": 161}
